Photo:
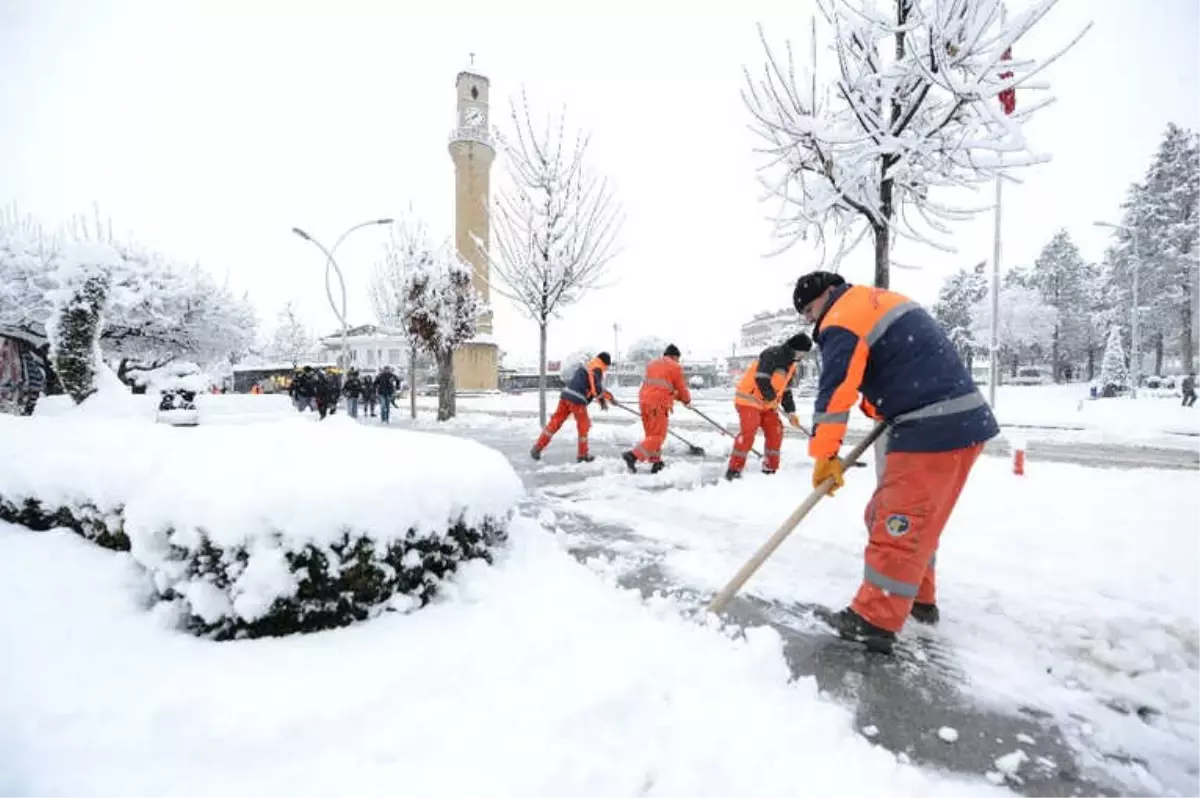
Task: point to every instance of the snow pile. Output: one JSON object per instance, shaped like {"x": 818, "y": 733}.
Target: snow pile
{"x": 180, "y": 375}
{"x": 1073, "y": 591}
{"x": 259, "y": 529}
{"x": 543, "y": 677}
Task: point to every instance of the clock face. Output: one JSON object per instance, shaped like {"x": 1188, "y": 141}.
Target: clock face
{"x": 473, "y": 116}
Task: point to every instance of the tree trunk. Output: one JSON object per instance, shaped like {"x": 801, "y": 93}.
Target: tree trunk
{"x": 445, "y": 368}
{"x": 542, "y": 372}
{"x": 881, "y": 249}
{"x": 1186, "y": 344}
{"x": 412, "y": 380}
{"x": 1158, "y": 353}
{"x": 1054, "y": 365}
{"x": 1091, "y": 361}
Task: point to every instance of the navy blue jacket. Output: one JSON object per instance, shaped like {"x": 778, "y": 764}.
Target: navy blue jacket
{"x": 579, "y": 389}
{"x": 889, "y": 349}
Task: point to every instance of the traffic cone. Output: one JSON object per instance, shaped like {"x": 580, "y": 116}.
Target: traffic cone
{"x": 1019, "y": 461}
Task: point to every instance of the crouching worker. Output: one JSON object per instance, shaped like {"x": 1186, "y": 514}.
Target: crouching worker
{"x": 888, "y": 348}
{"x": 763, "y": 389}
{"x": 586, "y": 384}
{"x": 662, "y": 385}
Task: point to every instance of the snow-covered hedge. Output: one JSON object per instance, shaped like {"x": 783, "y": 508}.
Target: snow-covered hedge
{"x": 267, "y": 528}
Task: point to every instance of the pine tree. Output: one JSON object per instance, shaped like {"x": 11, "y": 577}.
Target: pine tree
{"x": 1058, "y": 275}
{"x": 1113, "y": 371}
{"x": 1165, "y": 210}
{"x": 956, "y": 299}
{"x": 75, "y": 336}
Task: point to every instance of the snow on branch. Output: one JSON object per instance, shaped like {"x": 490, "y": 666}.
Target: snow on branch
{"x": 556, "y": 223}
{"x": 910, "y": 107}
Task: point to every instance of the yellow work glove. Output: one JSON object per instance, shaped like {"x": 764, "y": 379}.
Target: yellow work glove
{"x": 793, "y": 419}
{"x": 826, "y": 468}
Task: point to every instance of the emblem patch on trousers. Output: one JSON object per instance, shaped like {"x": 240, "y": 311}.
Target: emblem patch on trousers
{"x": 897, "y": 524}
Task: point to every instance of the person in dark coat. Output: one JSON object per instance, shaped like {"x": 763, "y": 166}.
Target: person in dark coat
{"x": 352, "y": 390}
{"x": 385, "y": 385}
{"x": 1189, "y": 390}
{"x": 369, "y": 395}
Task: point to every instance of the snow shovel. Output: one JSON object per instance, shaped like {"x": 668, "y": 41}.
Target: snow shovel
{"x": 754, "y": 451}
{"x": 785, "y": 529}
{"x": 693, "y": 449}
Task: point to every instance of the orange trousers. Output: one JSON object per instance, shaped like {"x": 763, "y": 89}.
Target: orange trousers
{"x": 655, "y": 418}
{"x": 751, "y": 418}
{"x": 905, "y": 518}
{"x": 583, "y": 423}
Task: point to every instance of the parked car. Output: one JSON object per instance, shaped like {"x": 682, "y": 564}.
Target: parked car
{"x": 1159, "y": 381}
{"x": 1031, "y": 375}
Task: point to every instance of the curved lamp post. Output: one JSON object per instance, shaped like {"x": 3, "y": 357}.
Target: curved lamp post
{"x": 330, "y": 262}
{"x": 1135, "y": 359}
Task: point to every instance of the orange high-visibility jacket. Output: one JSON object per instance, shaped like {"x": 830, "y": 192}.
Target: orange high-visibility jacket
{"x": 664, "y": 383}
{"x": 749, "y": 391}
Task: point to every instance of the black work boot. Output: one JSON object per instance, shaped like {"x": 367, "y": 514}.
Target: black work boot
{"x": 630, "y": 461}
{"x": 731, "y": 475}
{"x": 535, "y": 452}
{"x": 925, "y": 613}
{"x": 584, "y": 458}
{"x": 659, "y": 466}
{"x": 851, "y": 626}
{"x": 768, "y": 471}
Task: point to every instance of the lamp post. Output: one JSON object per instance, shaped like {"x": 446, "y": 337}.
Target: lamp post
{"x": 1134, "y": 333}
{"x": 329, "y": 261}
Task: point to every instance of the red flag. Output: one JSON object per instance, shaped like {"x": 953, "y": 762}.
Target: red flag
{"x": 1008, "y": 97}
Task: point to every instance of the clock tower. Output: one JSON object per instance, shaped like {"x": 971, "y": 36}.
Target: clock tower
{"x": 476, "y": 363}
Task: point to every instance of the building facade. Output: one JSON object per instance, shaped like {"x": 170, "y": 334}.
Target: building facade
{"x": 476, "y": 363}
{"x": 762, "y": 330}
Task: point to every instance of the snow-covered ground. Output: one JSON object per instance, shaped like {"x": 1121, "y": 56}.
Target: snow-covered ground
{"x": 533, "y": 677}
{"x": 1041, "y": 412}
{"x": 1071, "y": 590}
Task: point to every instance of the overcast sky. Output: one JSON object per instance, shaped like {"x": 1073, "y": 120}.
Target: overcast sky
{"x": 209, "y": 129}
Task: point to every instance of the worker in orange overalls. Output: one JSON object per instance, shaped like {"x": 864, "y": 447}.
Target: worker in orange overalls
{"x": 662, "y": 385}
{"x": 586, "y": 384}
{"x": 888, "y": 348}
{"x": 763, "y": 389}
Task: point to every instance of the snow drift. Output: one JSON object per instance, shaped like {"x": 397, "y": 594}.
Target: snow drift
{"x": 266, "y": 528}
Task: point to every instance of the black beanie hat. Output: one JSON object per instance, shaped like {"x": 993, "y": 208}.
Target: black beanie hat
{"x": 799, "y": 343}
{"x": 812, "y": 285}
{"x": 604, "y": 357}
{"x": 671, "y": 351}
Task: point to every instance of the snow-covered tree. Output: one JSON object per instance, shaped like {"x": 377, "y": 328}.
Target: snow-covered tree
{"x": 1059, "y": 273}
{"x": 556, "y": 224}
{"x": 155, "y": 309}
{"x": 407, "y": 250}
{"x": 1113, "y": 372}
{"x": 1026, "y": 324}
{"x": 78, "y": 303}
{"x": 646, "y": 349}
{"x": 910, "y": 109}
{"x": 956, "y": 300}
{"x": 1165, "y": 210}
{"x": 292, "y": 340}
{"x": 438, "y": 307}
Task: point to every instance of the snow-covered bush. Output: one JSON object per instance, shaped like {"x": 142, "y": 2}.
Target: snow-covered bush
{"x": 245, "y": 527}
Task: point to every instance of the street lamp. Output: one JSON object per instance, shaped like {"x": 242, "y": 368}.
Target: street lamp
{"x": 329, "y": 261}
{"x": 1135, "y": 340}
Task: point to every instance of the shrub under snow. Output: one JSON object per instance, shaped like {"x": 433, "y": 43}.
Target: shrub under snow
{"x": 263, "y": 529}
